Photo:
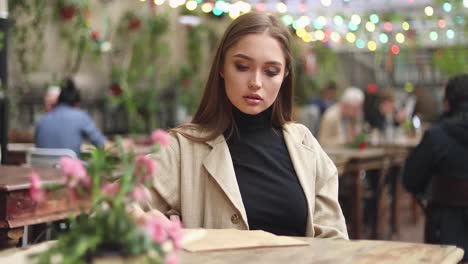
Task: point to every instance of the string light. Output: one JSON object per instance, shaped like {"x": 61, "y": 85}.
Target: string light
{"x": 281, "y": 7}
{"x": 447, "y": 7}
{"x": 405, "y": 26}
{"x": 360, "y": 44}
{"x": 395, "y": 49}
{"x": 383, "y": 38}
{"x": 371, "y": 45}
{"x": 400, "y": 38}
{"x": 429, "y": 11}
{"x": 350, "y": 37}
{"x": 326, "y": 3}
{"x": 191, "y": 5}
{"x": 450, "y": 34}
{"x": 374, "y": 18}
{"x": 370, "y": 26}
{"x": 356, "y": 19}
{"x": 338, "y": 20}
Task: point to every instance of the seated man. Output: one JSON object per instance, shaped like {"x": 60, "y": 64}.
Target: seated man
{"x": 66, "y": 125}
{"x": 342, "y": 122}
{"x": 441, "y": 157}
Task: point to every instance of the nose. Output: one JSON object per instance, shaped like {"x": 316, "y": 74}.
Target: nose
{"x": 255, "y": 82}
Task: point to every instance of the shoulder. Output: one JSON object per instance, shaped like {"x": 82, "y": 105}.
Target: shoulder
{"x": 301, "y": 134}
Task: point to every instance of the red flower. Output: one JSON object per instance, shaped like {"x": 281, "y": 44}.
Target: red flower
{"x": 68, "y": 12}
{"x": 36, "y": 192}
{"x": 95, "y": 35}
{"x": 362, "y": 146}
{"x": 87, "y": 13}
{"x": 134, "y": 23}
{"x": 116, "y": 90}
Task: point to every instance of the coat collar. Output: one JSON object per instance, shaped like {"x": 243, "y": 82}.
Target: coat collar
{"x": 219, "y": 165}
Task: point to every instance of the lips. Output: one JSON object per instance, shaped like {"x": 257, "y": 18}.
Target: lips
{"x": 253, "y": 97}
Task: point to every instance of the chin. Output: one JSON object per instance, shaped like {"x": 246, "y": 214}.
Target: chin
{"x": 251, "y": 110}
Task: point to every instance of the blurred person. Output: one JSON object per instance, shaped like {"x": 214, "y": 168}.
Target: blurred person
{"x": 327, "y": 97}
{"x": 384, "y": 116}
{"x": 65, "y": 126}
{"x": 51, "y": 98}
{"x": 440, "y": 161}
{"x": 242, "y": 163}
{"x": 342, "y": 122}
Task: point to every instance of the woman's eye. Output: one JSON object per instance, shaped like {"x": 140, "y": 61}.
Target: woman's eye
{"x": 241, "y": 67}
{"x": 271, "y": 72}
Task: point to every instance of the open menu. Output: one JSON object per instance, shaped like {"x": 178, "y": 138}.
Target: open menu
{"x": 198, "y": 240}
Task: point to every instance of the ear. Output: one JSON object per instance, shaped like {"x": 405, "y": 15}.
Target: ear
{"x": 221, "y": 73}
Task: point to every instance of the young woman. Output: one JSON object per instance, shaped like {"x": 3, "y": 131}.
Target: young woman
{"x": 242, "y": 163}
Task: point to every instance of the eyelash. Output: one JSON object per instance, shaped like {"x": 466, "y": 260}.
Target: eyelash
{"x": 244, "y": 68}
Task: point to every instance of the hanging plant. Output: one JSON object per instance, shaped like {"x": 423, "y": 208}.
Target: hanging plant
{"x": 136, "y": 68}
{"x": 451, "y": 60}
{"x": 27, "y": 33}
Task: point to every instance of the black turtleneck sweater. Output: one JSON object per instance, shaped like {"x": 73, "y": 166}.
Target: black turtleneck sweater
{"x": 270, "y": 190}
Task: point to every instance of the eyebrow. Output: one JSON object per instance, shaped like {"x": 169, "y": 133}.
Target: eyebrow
{"x": 243, "y": 56}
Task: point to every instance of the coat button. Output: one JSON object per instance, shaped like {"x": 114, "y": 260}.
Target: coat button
{"x": 235, "y": 219}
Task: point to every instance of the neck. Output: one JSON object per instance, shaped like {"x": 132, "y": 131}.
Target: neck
{"x": 249, "y": 123}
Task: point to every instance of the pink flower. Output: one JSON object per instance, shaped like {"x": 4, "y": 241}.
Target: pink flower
{"x": 160, "y": 136}
{"x": 111, "y": 189}
{"x": 36, "y": 192}
{"x": 145, "y": 167}
{"x": 175, "y": 232}
{"x": 140, "y": 193}
{"x": 156, "y": 228}
{"x": 75, "y": 172}
{"x": 171, "y": 258}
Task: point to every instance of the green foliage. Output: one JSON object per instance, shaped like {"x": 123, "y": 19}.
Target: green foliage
{"x": 190, "y": 80}
{"x": 360, "y": 141}
{"x": 451, "y": 60}
{"x": 29, "y": 17}
{"x": 143, "y": 72}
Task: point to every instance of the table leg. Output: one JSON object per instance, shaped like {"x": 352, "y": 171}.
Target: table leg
{"x": 396, "y": 193}
{"x": 356, "y": 212}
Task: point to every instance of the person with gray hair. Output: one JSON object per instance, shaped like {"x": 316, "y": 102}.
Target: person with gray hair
{"x": 342, "y": 122}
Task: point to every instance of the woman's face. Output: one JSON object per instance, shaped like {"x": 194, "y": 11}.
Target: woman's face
{"x": 253, "y": 71}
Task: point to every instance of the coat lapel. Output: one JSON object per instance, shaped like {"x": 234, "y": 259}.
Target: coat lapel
{"x": 303, "y": 159}
{"x": 219, "y": 165}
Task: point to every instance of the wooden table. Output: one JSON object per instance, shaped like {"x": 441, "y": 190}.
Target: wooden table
{"x": 329, "y": 251}
{"x": 318, "y": 251}
{"x": 357, "y": 162}
{"x": 17, "y": 210}
{"x": 397, "y": 151}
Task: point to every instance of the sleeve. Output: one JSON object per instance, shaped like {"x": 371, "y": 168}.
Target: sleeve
{"x": 329, "y": 221}
{"x": 166, "y": 181}
{"x": 418, "y": 168}
{"x": 92, "y": 132}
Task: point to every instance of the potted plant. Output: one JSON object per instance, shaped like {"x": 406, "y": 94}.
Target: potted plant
{"x": 110, "y": 185}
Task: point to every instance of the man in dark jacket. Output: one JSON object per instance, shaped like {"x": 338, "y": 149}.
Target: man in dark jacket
{"x": 442, "y": 159}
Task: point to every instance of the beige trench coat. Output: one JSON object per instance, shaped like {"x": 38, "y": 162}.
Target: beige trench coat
{"x": 197, "y": 181}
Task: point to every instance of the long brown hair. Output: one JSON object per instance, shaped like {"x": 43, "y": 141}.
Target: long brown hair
{"x": 215, "y": 110}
